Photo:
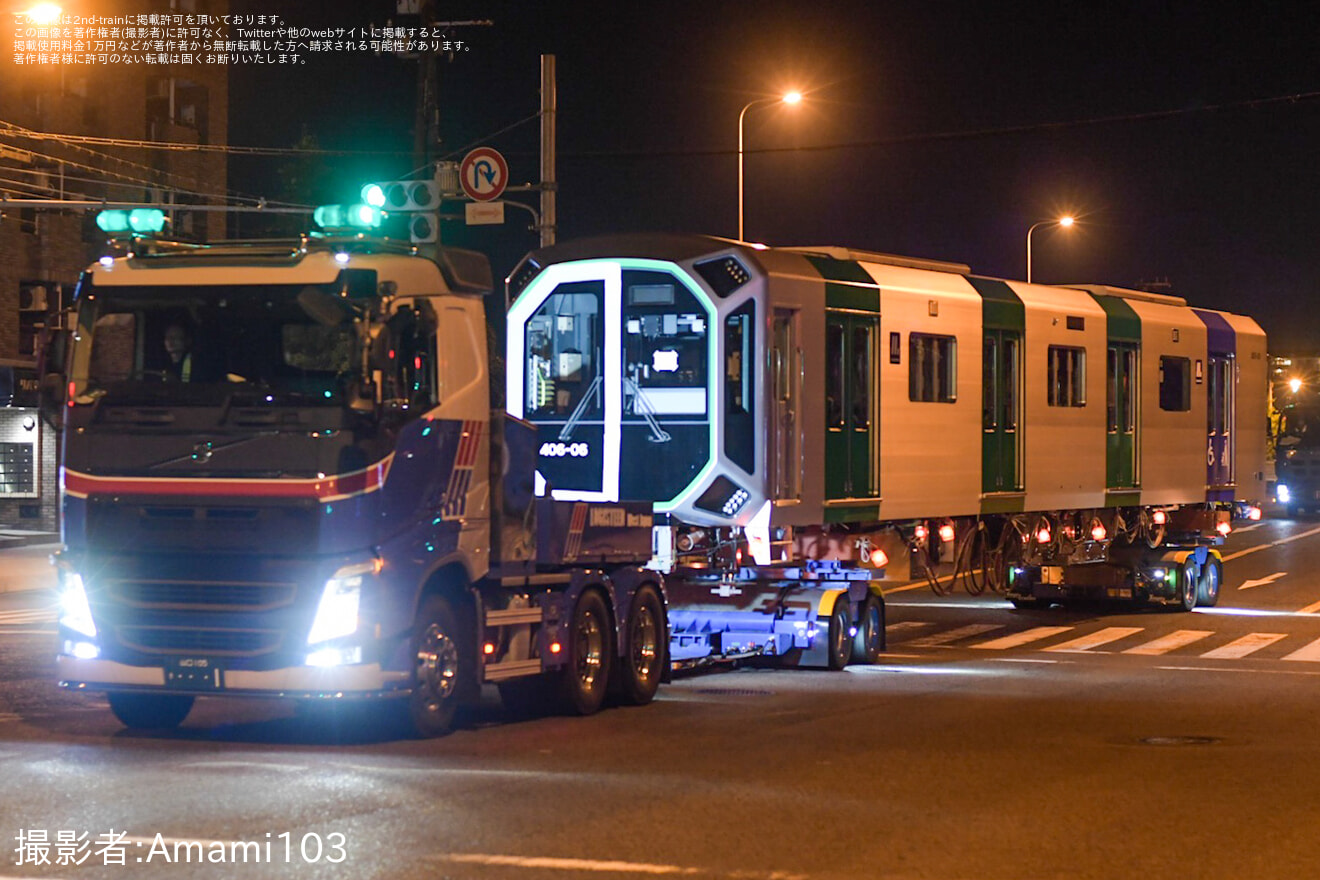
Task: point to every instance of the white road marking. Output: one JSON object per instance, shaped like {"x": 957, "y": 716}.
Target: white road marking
{"x": 613, "y": 866}
{"x": 939, "y": 640}
{"x": 1171, "y": 642}
{"x": 1084, "y": 644}
{"x": 1248, "y": 644}
{"x": 1297, "y": 537}
{"x": 1026, "y": 637}
{"x": 907, "y": 626}
{"x": 236, "y": 765}
{"x": 1308, "y": 652}
{"x": 1265, "y": 581}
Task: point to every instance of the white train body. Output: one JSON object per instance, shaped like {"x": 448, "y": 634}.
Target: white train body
{"x": 802, "y": 387}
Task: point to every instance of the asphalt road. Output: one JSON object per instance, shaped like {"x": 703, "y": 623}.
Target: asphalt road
{"x": 988, "y": 743}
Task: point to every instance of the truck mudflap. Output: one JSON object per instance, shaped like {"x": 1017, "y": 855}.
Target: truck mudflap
{"x": 195, "y": 679}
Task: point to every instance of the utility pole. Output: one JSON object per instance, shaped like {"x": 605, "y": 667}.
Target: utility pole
{"x": 548, "y": 183}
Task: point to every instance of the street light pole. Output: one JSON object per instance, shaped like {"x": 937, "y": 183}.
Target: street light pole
{"x": 788, "y": 98}
{"x": 1064, "y": 221}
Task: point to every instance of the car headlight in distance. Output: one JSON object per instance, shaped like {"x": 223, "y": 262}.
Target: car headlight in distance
{"x": 75, "y": 612}
{"x": 337, "y": 612}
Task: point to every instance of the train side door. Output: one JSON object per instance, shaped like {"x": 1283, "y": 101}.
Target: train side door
{"x": 850, "y": 397}
{"x": 1121, "y": 415}
{"x": 1000, "y": 411}
{"x": 785, "y": 367}
{"x": 1219, "y": 422}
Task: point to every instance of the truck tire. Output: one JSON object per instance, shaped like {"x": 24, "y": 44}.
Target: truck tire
{"x": 840, "y": 635}
{"x": 870, "y": 639}
{"x": 1207, "y": 587}
{"x": 641, "y": 668}
{"x": 438, "y": 667}
{"x": 150, "y": 711}
{"x": 1185, "y": 599}
{"x": 585, "y": 678}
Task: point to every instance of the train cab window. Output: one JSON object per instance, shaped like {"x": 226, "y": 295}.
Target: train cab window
{"x": 1175, "y": 384}
{"x": 562, "y": 355}
{"x": 932, "y": 368}
{"x": 1067, "y": 376}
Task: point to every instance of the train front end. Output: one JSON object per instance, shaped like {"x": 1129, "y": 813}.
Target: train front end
{"x": 640, "y": 374}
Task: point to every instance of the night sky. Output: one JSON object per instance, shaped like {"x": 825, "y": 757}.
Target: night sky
{"x": 940, "y": 130}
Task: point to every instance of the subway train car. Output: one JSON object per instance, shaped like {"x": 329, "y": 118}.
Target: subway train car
{"x": 820, "y": 396}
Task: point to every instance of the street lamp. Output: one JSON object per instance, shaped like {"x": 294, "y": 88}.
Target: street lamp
{"x": 787, "y": 98}
{"x": 1065, "y": 221}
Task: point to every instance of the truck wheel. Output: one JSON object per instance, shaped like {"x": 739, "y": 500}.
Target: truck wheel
{"x": 1187, "y": 589}
{"x": 1207, "y": 589}
{"x": 642, "y": 667}
{"x": 437, "y": 666}
{"x": 150, "y": 711}
{"x": 840, "y": 645}
{"x": 586, "y": 677}
{"x": 870, "y": 639}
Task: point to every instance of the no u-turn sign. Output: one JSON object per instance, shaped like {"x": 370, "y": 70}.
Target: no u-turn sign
{"x": 484, "y": 174}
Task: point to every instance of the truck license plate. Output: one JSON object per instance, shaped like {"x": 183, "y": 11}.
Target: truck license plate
{"x": 194, "y": 673}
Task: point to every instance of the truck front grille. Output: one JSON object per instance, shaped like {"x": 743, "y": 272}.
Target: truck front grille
{"x": 201, "y": 595}
{"x": 187, "y": 640}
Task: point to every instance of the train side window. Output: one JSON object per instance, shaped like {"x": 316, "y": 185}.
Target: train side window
{"x": 932, "y": 368}
{"x": 1067, "y": 376}
{"x": 1129, "y": 423}
{"x": 739, "y": 399}
{"x": 835, "y": 370}
{"x": 990, "y": 383}
{"x": 1175, "y": 384}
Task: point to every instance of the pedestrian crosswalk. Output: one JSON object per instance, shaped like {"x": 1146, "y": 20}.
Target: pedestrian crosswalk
{"x": 1082, "y": 639}
{"x": 27, "y": 616}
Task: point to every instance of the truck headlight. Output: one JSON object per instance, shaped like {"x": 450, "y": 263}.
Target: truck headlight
{"x": 75, "y": 612}
{"x": 1283, "y": 493}
{"x": 337, "y": 612}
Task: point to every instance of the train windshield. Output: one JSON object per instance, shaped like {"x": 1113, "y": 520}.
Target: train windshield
{"x": 620, "y": 386}
{"x": 170, "y": 345}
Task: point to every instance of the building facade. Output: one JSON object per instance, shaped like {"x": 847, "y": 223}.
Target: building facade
{"x": 46, "y": 109}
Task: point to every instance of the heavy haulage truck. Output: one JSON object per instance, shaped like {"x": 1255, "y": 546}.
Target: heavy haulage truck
{"x": 305, "y": 494}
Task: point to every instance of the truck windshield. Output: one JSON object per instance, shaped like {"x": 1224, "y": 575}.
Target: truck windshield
{"x": 1300, "y": 427}
{"x": 275, "y": 343}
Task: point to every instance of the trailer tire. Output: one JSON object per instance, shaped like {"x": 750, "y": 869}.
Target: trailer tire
{"x": 640, "y": 670}
{"x": 585, "y": 678}
{"x": 1207, "y": 587}
{"x": 839, "y": 649}
{"x": 869, "y": 642}
{"x": 150, "y": 711}
{"x": 438, "y": 669}
{"x": 1185, "y": 599}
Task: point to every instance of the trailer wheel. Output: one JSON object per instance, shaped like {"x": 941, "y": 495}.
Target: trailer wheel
{"x": 1187, "y": 589}
{"x": 1207, "y": 588}
{"x": 641, "y": 669}
{"x": 150, "y": 711}
{"x": 586, "y": 678}
{"x": 841, "y": 639}
{"x": 437, "y": 669}
{"x": 870, "y": 639}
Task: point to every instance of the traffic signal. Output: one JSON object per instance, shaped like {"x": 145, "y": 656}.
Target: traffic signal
{"x": 403, "y": 195}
